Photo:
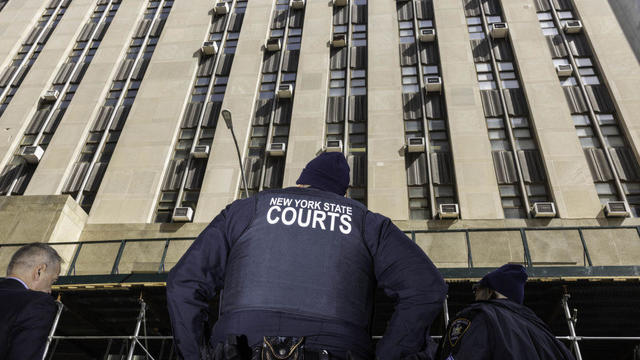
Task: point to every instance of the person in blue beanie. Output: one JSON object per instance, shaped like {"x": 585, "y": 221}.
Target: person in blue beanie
{"x": 298, "y": 268}
{"x": 498, "y": 326}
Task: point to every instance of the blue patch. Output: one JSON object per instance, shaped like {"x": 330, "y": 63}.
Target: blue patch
{"x": 457, "y": 330}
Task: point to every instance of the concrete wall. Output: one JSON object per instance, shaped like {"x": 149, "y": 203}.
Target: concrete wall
{"x": 49, "y": 219}
{"x": 621, "y": 247}
{"x": 492, "y": 242}
{"x": 490, "y": 246}
{"x": 40, "y": 219}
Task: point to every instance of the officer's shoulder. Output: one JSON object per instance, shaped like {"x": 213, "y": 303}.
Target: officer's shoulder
{"x": 242, "y": 203}
{"x": 457, "y": 330}
{"x": 461, "y": 324}
{"x": 474, "y": 310}
{"x": 376, "y": 218}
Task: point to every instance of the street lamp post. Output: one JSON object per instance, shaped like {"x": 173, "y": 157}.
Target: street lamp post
{"x": 226, "y": 115}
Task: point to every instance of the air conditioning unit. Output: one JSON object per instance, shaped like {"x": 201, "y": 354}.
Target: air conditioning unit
{"x": 273, "y": 44}
{"x": 221, "y": 8}
{"x": 285, "y": 91}
{"x": 209, "y": 48}
{"x": 617, "y": 209}
{"x": 297, "y": 4}
{"x": 339, "y": 40}
{"x": 543, "y": 210}
{"x": 182, "y": 214}
{"x": 499, "y": 30}
{"x": 433, "y": 84}
{"x": 427, "y": 35}
{"x": 448, "y": 211}
{"x": 339, "y": 2}
{"x": 277, "y": 149}
{"x": 50, "y": 95}
{"x": 200, "y": 151}
{"x": 572, "y": 26}
{"x": 564, "y": 70}
{"x": 334, "y": 146}
{"x": 32, "y": 154}
{"x": 416, "y": 144}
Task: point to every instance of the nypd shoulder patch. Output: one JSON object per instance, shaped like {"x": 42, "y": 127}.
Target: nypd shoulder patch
{"x": 457, "y": 329}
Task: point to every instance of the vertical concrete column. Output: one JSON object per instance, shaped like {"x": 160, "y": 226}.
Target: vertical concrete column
{"x": 620, "y": 68}
{"x": 16, "y": 117}
{"x": 386, "y": 173}
{"x": 222, "y": 177}
{"x": 569, "y": 177}
{"x": 70, "y": 137}
{"x": 130, "y": 187}
{"x": 16, "y": 21}
{"x": 628, "y": 14}
{"x": 475, "y": 177}
{"x": 309, "y": 107}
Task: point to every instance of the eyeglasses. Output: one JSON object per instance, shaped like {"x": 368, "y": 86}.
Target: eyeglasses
{"x": 475, "y": 288}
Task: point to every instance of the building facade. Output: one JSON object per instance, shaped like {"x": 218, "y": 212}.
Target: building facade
{"x": 492, "y": 131}
{"x": 111, "y": 108}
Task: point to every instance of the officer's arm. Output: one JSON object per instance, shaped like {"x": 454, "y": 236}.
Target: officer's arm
{"x": 407, "y": 275}
{"x": 472, "y": 341}
{"x": 199, "y": 274}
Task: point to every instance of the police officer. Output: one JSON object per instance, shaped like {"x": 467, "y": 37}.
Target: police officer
{"x": 498, "y": 326}
{"x": 305, "y": 262}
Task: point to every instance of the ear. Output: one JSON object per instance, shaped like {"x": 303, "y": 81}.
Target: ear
{"x": 39, "y": 271}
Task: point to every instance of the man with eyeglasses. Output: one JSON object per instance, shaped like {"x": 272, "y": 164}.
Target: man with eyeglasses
{"x": 498, "y": 327}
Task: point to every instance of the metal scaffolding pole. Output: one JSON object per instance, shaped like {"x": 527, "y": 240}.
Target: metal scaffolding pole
{"x": 135, "y": 338}
{"x": 571, "y": 322}
{"x": 446, "y": 312}
{"x": 53, "y": 328}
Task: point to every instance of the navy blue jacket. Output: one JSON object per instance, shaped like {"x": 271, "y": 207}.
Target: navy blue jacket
{"x": 500, "y": 329}
{"x": 304, "y": 262}
{"x": 26, "y": 317}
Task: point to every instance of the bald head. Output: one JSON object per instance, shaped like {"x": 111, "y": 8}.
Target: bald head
{"x": 37, "y": 264}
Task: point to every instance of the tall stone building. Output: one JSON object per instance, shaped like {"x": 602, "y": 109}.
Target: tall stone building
{"x": 492, "y": 131}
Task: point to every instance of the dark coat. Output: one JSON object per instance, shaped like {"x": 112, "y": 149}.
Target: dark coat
{"x": 501, "y": 330}
{"x": 285, "y": 277}
{"x": 26, "y": 317}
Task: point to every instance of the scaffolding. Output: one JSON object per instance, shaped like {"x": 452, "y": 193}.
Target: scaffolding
{"x": 135, "y": 340}
{"x": 136, "y": 346}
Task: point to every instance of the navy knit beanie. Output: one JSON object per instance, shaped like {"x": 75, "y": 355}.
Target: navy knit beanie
{"x": 329, "y": 171}
{"x": 508, "y": 280}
